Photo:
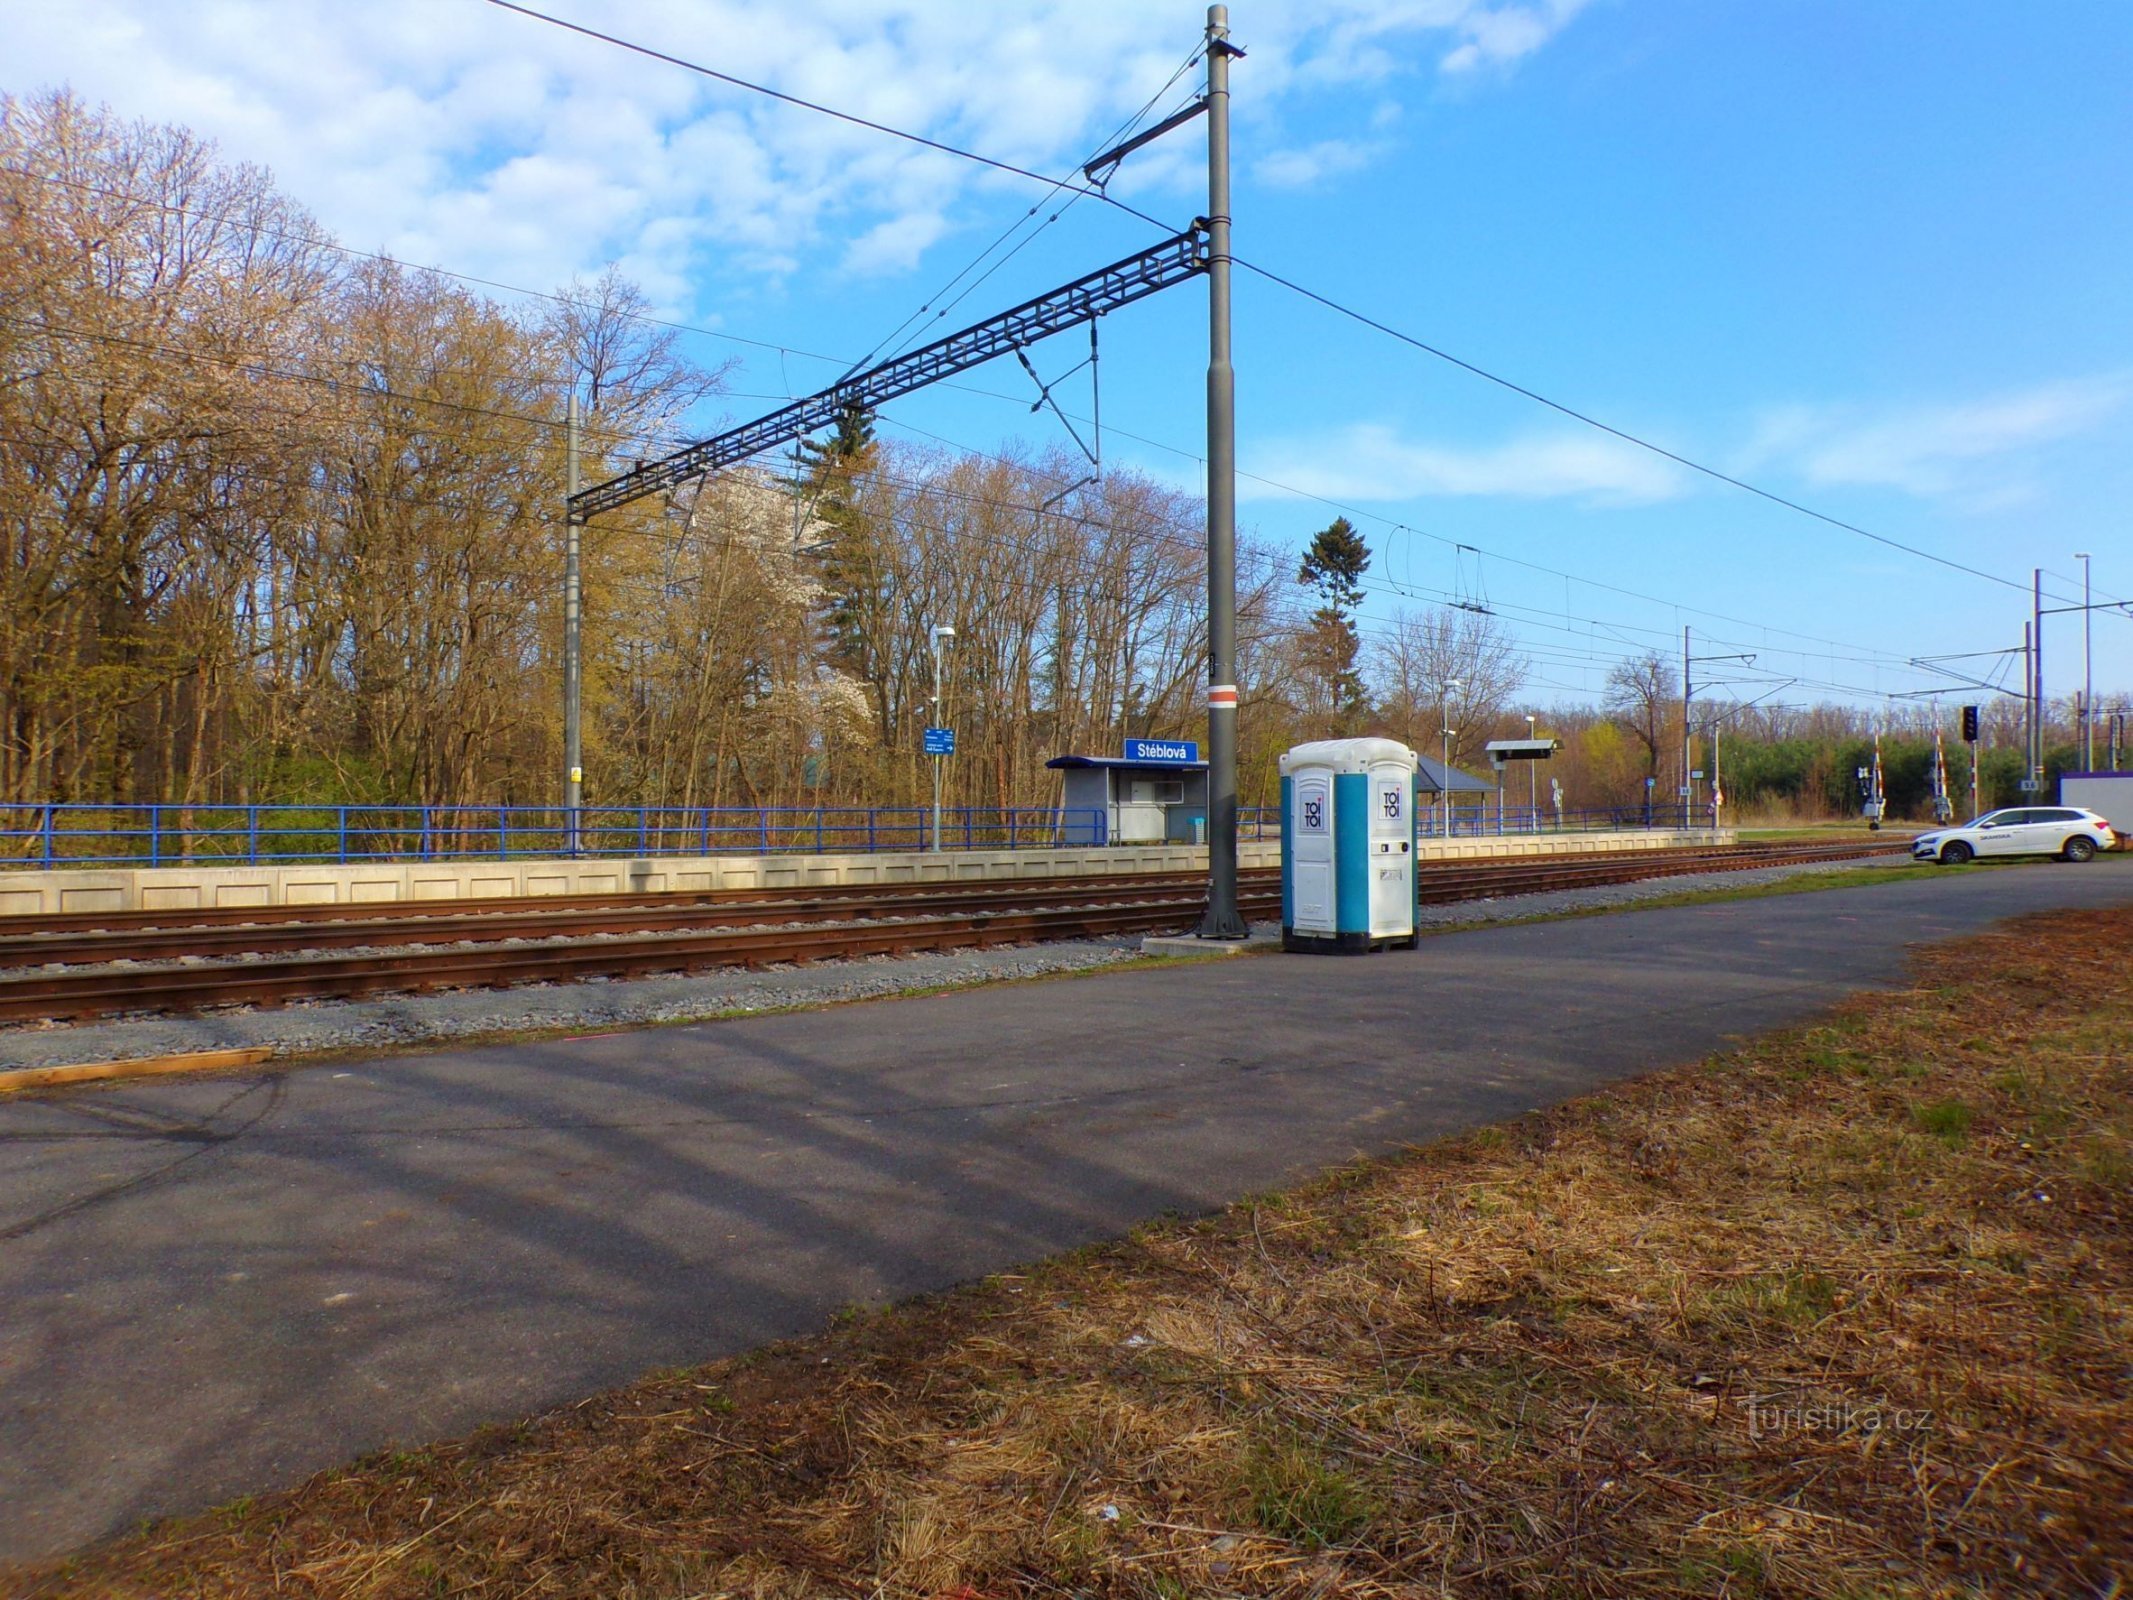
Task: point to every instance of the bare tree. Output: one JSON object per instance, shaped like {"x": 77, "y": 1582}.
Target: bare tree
{"x": 1427, "y": 651}
{"x": 1643, "y": 695}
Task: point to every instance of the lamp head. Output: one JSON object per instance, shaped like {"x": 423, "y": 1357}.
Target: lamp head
{"x": 942, "y": 633}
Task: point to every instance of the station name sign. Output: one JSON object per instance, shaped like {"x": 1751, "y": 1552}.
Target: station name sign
{"x": 1162, "y": 751}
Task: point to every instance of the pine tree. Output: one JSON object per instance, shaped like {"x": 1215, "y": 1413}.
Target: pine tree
{"x": 1334, "y": 565}
{"x": 828, "y": 468}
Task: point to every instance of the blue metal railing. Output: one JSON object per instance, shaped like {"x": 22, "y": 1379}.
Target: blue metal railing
{"x": 1488, "y": 821}
{"x": 94, "y": 835}
{"x": 109, "y": 836}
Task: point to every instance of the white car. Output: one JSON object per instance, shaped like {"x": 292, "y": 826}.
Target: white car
{"x": 2065, "y": 831}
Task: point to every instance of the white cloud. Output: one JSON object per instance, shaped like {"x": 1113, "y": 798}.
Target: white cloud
{"x": 1371, "y": 462}
{"x": 1976, "y": 451}
{"x": 453, "y": 132}
{"x": 1371, "y": 39}
{"x": 1314, "y": 164}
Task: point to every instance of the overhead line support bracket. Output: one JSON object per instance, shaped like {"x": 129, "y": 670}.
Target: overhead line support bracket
{"x": 1070, "y": 305}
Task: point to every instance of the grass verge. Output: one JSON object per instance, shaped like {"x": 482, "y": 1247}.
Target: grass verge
{"x": 1845, "y": 1313}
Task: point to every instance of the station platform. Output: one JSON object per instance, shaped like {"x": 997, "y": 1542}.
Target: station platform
{"x": 192, "y": 887}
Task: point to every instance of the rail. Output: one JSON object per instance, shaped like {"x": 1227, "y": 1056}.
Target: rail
{"x": 71, "y": 835}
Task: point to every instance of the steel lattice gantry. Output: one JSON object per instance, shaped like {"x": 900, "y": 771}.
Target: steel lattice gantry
{"x": 1069, "y": 306}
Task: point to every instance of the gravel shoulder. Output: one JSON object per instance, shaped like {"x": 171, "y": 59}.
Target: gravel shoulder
{"x": 336, "y": 1025}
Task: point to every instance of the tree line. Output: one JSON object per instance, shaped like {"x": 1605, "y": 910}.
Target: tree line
{"x": 281, "y": 522}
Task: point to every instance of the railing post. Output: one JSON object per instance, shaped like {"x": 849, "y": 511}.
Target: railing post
{"x": 873, "y": 815}
{"x": 44, "y": 830}
{"x": 762, "y": 830}
{"x": 423, "y": 850}
{"x": 707, "y": 830}
{"x": 818, "y": 830}
{"x": 341, "y": 833}
{"x": 155, "y": 835}
{"x": 251, "y": 836}
{"x": 1010, "y": 827}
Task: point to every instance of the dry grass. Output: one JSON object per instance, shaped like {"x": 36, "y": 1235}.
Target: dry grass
{"x": 1841, "y": 1314}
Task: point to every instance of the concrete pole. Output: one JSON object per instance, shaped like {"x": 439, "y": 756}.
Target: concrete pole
{"x": 1445, "y": 691}
{"x": 2088, "y": 673}
{"x": 1222, "y": 920}
{"x": 2036, "y": 675}
{"x": 573, "y": 664}
{"x": 1688, "y": 790}
{"x": 1533, "y": 802}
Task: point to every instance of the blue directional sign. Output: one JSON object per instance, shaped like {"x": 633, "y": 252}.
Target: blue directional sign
{"x": 940, "y": 741}
{"x": 1163, "y": 752}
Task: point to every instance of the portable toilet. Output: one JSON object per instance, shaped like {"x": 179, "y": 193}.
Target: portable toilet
{"x": 1348, "y": 845}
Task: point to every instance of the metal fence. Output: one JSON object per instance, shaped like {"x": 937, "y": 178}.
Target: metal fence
{"x": 1488, "y": 821}
{"x": 135, "y": 836}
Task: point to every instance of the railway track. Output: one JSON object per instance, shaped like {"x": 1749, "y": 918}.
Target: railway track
{"x": 102, "y": 964}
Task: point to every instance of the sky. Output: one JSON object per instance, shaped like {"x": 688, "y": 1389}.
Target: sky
{"x": 1869, "y": 257}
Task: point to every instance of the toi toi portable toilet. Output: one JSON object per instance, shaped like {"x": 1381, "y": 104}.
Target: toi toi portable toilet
{"x": 1348, "y": 846}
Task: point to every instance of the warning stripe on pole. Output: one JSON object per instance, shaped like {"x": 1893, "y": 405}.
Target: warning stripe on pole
{"x": 1220, "y": 695}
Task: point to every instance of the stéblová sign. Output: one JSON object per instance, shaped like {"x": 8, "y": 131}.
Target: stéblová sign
{"x": 1163, "y": 752}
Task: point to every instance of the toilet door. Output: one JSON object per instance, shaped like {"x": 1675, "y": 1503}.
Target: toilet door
{"x": 1311, "y": 852}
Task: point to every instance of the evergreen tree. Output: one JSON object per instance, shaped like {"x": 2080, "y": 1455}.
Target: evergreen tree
{"x": 1334, "y": 565}
{"x": 850, "y": 574}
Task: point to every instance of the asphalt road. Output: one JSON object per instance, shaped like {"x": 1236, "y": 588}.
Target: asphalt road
{"x": 216, "y": 1287}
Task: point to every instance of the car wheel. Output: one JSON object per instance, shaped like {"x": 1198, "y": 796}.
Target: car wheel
{"x": 2080, "y": 848}
{"x": 1955, "y": 854}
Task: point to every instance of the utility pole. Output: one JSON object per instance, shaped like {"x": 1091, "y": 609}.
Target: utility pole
{"x": 1222, "y": 920}
{"x": 2036, "y": 678}
{"x": 1533, "y": 804}
{"x": 573, "y": 665}
{"x": 1444, "y": 691}
{"x": 1687, "y": 796}
{"x": 2088, "y": 670}
{"x": 2029, "y": 698}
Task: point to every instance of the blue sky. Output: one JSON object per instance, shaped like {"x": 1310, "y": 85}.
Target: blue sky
{"x": 1870, "y": 256}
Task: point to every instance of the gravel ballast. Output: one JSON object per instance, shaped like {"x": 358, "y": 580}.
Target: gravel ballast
{"x": 332, "y": 1025}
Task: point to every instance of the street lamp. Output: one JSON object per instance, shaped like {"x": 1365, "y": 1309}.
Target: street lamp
{"x": 2088, "y": 673}
{"x": 942, "y": 634}
{"x": 1533, "y": 803}
{"x": 1445, "y": 792}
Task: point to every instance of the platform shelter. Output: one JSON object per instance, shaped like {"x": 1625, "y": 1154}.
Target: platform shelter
{"x": 1155, "y": 792}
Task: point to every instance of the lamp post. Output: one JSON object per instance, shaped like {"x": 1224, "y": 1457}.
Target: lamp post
{"x": 1533, "y": 802}
{"x": 942, "y": 634}
{"x": 1445, "y": 794}
{"x": 2088, "y": 672}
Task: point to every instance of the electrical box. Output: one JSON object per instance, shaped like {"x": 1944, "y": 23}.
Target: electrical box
{"x": 1348, "y": 846}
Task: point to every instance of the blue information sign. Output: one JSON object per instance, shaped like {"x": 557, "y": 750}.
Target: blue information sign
{"x": 1163, "y": 752}
{"x": 940, "y": 741}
